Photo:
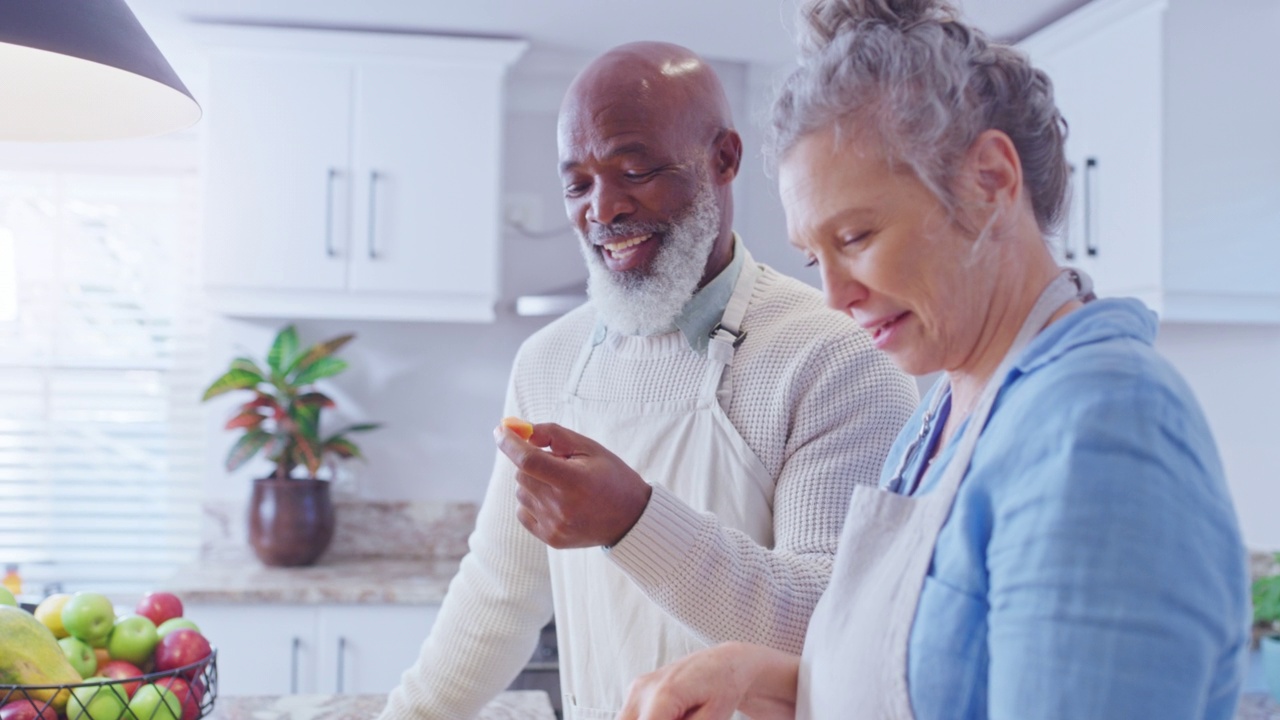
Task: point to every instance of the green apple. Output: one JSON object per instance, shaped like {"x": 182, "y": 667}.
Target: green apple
{"x": 89, "y": 616}
{"x": 177, "y": 623}
{"x": 152, "y": 702}
{"x": 80, "y": 655}
{"x": 132, "y": 639}
{"x": 7, "y": 598}
{"x": 97, "y": 702}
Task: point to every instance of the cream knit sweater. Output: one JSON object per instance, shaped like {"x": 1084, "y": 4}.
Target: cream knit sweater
{"x": 811, "y": 397}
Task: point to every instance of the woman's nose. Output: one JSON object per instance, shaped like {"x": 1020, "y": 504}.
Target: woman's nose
{"x": 841, "y": 289}
{"x": 609, "y": 204}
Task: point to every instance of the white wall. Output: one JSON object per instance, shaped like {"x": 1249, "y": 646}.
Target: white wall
{"x": 1231, "y": 369}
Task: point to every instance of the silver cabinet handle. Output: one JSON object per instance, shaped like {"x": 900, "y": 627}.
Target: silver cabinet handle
{"x": 1090, "y": 208}
{"x": 342, "y": 656}
{"x": 293, "y": 670}
{"x": 328, "y": 213}
{"x": 374, "y": 176}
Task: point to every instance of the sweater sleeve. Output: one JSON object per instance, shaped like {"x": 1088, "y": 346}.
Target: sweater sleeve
{"x": 846, "y": 404}
{"x": 491, "y": 616}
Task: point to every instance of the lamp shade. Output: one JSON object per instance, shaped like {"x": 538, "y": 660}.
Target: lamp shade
{"x": 84, "y": 70}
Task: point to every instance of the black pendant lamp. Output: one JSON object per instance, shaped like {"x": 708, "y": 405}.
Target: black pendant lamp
{"x": 84, "y": 70}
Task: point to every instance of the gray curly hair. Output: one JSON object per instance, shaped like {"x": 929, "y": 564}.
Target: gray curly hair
{"x": 927, "y": 84}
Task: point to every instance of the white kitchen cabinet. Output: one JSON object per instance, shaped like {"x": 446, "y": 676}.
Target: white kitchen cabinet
{"x": 353, "y": 175}
{"x": 283, "y": 649}
{"x": 1106, "y": 72}
{"x": 1172, "y": 153}
{"x": 364, "y": 650}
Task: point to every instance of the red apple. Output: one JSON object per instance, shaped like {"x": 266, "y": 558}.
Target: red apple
{"x": 179, "y": 648}
{"x": 121, "y": 670}
{"x": 159, "y": 607}
{"x": 186, "y": 694}
{"x": 27, "y": 710}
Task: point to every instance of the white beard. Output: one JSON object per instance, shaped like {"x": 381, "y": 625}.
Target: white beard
{"x": 640, "y": 302}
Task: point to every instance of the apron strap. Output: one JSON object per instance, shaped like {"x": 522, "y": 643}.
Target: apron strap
{"x": 1067, "y": 286}
{"x": 728, "y": 334}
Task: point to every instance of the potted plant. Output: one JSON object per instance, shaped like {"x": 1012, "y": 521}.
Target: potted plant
{"x": 1266, "y": 619}
{"x": 290, "y": 514}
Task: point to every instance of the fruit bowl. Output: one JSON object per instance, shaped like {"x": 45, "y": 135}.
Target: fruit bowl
{"x": 81, "y": 700}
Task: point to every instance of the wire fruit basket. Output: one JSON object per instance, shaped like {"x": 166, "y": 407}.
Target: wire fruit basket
{"x": 82, "y": 701}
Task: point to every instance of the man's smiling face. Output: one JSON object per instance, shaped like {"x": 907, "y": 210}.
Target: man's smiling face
{"x": 628, "y": 171}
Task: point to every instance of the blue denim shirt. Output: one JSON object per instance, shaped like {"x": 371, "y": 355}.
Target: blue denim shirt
{"x": 1091, "y": 566}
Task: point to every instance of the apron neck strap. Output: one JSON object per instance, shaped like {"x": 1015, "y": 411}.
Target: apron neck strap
{"x": 1067, "y": 286}
{"x": 728, "y": 334}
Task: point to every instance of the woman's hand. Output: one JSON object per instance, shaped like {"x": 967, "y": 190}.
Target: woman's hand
{"x": 713, "y": 683}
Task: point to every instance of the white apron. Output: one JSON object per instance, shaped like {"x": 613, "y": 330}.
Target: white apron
{"x": 854, "y": 663}
{"x": 610, "y": 632}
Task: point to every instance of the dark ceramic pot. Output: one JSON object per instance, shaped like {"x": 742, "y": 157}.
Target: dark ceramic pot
{"x": 290, "y": 521}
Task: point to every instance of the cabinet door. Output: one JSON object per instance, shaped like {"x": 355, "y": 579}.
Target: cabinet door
{"x": 1121, "y": 183}
{"x": 1107, "y": 83}
{"x": 427, "y": 154}
{"x": 366, "y": 648}
{"x": 277, "y": 167}
{"x": 262, "y": 649}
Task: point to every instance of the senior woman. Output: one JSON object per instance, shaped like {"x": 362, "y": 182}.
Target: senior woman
{"x": 1052, "y": 536}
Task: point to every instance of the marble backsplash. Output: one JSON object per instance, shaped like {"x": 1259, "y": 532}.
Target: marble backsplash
{"x": 364, "y": 530}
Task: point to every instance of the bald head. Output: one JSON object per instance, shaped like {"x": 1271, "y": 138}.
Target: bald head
{"x": 672, "y": 83}
{"x": 645, "y": 132}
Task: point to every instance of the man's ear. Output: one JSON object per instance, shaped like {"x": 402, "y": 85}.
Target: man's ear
{"x": 727, "y": 156}
{"x": 995, "y": 171}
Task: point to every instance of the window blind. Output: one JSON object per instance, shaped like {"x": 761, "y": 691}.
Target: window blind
{"x": 101, "y": 339}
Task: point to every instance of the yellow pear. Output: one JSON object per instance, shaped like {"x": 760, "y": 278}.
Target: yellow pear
{"x": 49, "y": 612}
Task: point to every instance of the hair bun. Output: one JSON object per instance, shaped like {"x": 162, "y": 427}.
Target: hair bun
{"x": 824, "y": 20}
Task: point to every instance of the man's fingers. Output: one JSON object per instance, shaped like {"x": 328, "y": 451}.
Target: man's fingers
{"x": 518, "y": 450}
{"x": 525, "y": 498}
{"x": 535, "y": 462}
{"x": 528, "y": 520}
{"x": 562, "y": 441}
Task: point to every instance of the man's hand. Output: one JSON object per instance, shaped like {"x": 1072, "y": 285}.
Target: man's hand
{"x": 575, "y": 493}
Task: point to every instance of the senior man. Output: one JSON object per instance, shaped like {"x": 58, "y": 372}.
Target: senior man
{"x": 745, "y": 412}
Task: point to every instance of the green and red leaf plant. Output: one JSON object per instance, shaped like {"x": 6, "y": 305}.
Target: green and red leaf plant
{"x": 281, "y": 419}
{"x": 1266, "y": 601}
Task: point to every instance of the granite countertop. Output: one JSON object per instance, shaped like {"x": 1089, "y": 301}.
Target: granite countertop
{"x": 510, "y": 705}
{"x": 1258, "y": 706}
{"x": 349, "y": 581}
{"x": 382, "y": 553}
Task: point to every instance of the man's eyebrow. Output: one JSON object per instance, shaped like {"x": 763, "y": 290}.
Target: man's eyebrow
{"x": 631, "y": 148}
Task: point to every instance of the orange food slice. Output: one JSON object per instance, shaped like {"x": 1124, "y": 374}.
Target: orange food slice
{"x": 523, "y": 428}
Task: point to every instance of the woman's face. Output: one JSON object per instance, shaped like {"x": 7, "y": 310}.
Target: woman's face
{"x": 889, "y": 254}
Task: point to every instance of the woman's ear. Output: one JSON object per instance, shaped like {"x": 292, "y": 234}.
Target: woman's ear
{"x": 994, "y": 172}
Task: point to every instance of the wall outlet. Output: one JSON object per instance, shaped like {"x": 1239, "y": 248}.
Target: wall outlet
{"x": 522, "y": 210}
